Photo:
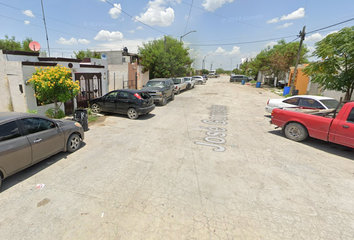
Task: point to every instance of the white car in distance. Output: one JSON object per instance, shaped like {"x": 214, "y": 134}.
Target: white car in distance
{"x": 199, "y": 80}
{"x": 190, "y": 82}
{"x": 180, "y": 84}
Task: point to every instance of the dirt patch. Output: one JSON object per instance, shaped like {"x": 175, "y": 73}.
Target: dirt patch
{"x": 99, "y": 120}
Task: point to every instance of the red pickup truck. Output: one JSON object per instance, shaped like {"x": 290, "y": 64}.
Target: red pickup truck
{"x": 326, "y": 125}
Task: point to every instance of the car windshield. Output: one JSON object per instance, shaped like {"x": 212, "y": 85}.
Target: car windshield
{"x": 330, "y": 103}
{"x": 187, "y": 79}
{"x": 176, "y": 81}
{"x": 155, "y": 84}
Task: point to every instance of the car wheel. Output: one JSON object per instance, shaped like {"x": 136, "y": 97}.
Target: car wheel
{"x": 163, "y": 101}
{"x": 132, "y": 113}
{"x": 73, "y": 143}
{"x": 179, "y": 91}
{"x": 96, "y": 108}
{"x": 173, "y": 96}
{"x": 295, "y": 132}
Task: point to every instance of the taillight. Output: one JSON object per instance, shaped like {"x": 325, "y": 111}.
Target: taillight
{"x": 176, "y": 87}
{"x": 138, "y": 96}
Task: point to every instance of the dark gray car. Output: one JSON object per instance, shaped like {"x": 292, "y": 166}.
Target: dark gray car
{"x": 26, "y": 139}
{"x": 161, "y": 89}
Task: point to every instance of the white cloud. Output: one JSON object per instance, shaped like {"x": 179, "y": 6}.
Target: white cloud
{"x": 235, "y": 50}
{"x": 83, "y": 41}
{"x": 300, "y": 13}
{"x": 102, "y": 0}
{"x": 212, "y": 5}
{"x": 28, "y": 13}
{"x": 285, "y": 25}
{"x": 220, "y": 51}
{"x": 157, "y": 14}
{"x": 131, "y": 44}
{"x": 271, "y": 44}
{"x": 274, "y": 20}
{"x": 314, "y": 37}
{"x": 115, "y": 11}
{"x": 63, "y": 41}
{"x": 139, "y": 28}
{"x": 131, "y": 31}
{"x": 27, "y": 22}
{"x": 105, "y": 35}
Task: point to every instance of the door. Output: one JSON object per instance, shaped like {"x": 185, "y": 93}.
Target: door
{"x": 15, "y": 149}
{"x": 45, "y": 137}
{"x": 342, "y": 130}
{"x": 109, "y": 102}
{"x": 123, "y": 102}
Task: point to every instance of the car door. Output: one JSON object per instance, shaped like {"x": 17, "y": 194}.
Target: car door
{"x": 291, "y": 102}
{"x": 169, "y": 85}
{"x": 123, "y": 102}
{"x": 45, "y": 137}
{"x": 15, "y": 148}
{"x": 109, "y": 102}
{"x": 342, "y": 130}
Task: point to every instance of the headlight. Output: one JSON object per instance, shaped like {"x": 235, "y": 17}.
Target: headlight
{"x": 78, "y": 124}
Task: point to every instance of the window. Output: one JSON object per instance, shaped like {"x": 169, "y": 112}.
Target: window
{"x": 292, "y": 101}
{"x": 111, "y": 96}
{"x": 310, "y": 103}
{"x": 351, "y": 116}
{"x": 123, "y": 95}
{"x": 9, "y": 131}
{"x": 34, "y": 125}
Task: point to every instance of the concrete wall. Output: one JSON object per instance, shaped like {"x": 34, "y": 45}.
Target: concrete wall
{"x": 143, "y": 78}
{"x": 116, "y": 75}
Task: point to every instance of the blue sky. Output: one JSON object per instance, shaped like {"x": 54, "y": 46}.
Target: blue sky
{"x": 224, "y": 28}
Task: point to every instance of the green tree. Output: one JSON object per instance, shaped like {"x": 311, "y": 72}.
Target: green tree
{"x": 166, "y": 57}
{"x": 10, "y": 44}
{"x": 204, "y": 71}
{"x": 87, "y": 54}
{"x": 54, "y": 84}
{"x": 219, "y": 71}
{"x": 25, "y": 44}
{"x": 278, "y": 59}
{"x": 336, "y": 70}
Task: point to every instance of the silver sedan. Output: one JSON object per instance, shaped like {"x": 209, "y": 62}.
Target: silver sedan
{"x": 26, "y": 139}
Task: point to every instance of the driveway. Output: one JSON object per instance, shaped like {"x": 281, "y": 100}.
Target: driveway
{"x": 206, "y": 166}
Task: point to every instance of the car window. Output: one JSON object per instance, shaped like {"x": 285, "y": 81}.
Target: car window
{"x": 34, "y": 125}
{"x": 123, "y": 95}
{"x": 176, "y": 81}
{"x": 9, "y": 131}
{"x": 292, "y": 101}
{"x": 112, "y": 95}
{"x": 351, "y": 116}
{"x": 330, "y": 103}
{"x": 310, "y": 103}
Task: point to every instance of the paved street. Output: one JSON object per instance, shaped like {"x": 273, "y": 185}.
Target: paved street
{"x": 208, "y": 165}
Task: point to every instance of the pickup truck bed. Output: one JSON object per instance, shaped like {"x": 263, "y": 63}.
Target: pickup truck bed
{"x": 320, "y": 124}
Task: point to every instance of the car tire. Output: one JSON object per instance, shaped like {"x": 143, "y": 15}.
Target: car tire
{"x": 74, "y": 143}
{"x": 179, "y": 91}
{"x": 296, "y": 132}
{"x": 173, "y": 96}
{"x": 96, "y": 108}
{"x": 163, "y": 101}
{"x": 132, "y": 113}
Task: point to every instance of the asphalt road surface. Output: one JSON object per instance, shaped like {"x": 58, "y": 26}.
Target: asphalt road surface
{"x": 208, "y": 165}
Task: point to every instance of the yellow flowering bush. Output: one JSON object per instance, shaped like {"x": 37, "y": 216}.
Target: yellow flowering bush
{"x": 54, "y": 84}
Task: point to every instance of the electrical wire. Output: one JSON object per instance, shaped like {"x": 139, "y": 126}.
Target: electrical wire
{"x": 351, "y": 19}
{"x": 190, "y": 10}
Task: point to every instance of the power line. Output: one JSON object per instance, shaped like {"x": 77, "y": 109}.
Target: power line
{"x": 351, "y": 19}
{"x": 190, "y": 10}
{"x": 238, "y": 43}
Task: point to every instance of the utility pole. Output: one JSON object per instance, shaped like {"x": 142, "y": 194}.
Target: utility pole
{"x": 45, "y": 26}
{"x": 292, "y": 81}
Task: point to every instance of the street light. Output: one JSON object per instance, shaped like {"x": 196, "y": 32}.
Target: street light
{"x": 203, "y": 65}
{"x": 186, "y": 34}
{"x": 231, "y": 64}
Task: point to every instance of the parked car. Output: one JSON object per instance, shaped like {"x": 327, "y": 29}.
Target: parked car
{"x": 327, "y": 125}
{"x": 180, "y": 85}
{"x": 303, "y": 101}
{"x": 199, "y": 79}
{"x": 26, "y": 139}
{"x": 239, "y": 78}
{"x": 131, "y": 102}
{"x": 161, "y": 89}
{"x": 213, "y": 75}
{"x": 190, "y": 81}
{"x": 281, "y": 83}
